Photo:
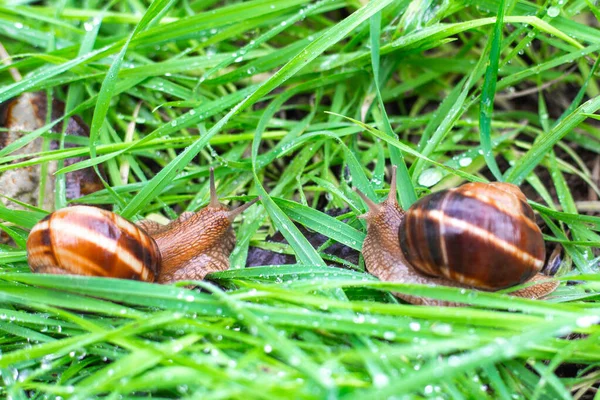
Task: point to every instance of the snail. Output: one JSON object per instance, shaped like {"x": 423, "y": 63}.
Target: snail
{"x": 477, "y": 236}
{"x": 83, "y": 240}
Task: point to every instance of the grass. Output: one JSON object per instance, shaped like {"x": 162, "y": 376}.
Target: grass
{"x": 300, "y": 102}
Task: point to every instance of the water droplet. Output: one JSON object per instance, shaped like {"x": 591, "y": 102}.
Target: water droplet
{"x": 453, "y": 361}
{"x": 465, "y": 161}
{"x": 359, "y": 319}
{"x": 553, "y": 12}
{"x": 587, "y": 321}
{"x": 414, "y": 326}
{"x": 380, "y": 380}
{"x": 430, "y": 177}
{"x": 442, "y": 328}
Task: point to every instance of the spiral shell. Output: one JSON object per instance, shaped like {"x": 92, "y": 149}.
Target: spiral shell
{"x": 84, "y": 240}
{"x": 480, "y": 235}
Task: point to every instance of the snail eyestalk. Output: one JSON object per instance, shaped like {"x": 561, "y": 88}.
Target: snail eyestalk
{"x": 237, "y": 211}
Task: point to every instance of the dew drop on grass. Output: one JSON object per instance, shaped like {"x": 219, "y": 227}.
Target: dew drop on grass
{"x": 389, "y": 335}
{"x": 453, "y": 361}
{"x": 553, "y": 12}
{"x": 359, "y": 319}
{"x": 414, "y": 326}
{"x": 268, "y": 348}
{"x": 430, "y": 177}
{"x": 587, "y": 321}
{"x": 442, "y": 329}
{"x": 465, "y": 161}
{"x": 182, "y": 388}
{"x": 380, "y": 380}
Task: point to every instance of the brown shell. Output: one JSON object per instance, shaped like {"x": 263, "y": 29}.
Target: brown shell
{"x": 481, "y": 235}
{"x": 84, "y": 240}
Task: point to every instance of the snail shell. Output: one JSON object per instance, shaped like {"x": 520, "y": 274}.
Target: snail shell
{"x": 84, "y": 240}
{"x": 481, "y": 235}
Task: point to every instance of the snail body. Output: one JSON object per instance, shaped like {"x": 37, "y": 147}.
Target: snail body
{"x": 84, "y": 240}
{"x": 479, "y": 236}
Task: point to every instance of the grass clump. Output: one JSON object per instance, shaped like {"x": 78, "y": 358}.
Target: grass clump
{"x": 300, "y": 102}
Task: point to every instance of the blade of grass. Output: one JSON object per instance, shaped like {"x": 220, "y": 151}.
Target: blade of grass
{"x": 488, "y": 93}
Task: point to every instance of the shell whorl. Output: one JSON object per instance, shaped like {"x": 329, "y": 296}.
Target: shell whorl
{"x": 84, "y": 240}
{"x": 481, "y": 235}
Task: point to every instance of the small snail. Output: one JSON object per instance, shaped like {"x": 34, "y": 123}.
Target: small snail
{"x": 84, "y": 240}
{"x": 478, "y": 235}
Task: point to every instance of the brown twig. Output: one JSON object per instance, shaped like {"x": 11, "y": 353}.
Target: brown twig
{"x": 7, "y": 60}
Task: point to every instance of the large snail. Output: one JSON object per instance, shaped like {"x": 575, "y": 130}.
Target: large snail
{"x": 478, "y": 235}
{"x": 84, "y": 240}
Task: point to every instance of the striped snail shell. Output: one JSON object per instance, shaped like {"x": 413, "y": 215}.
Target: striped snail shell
{"x": 85, "y": 240}
{"x": 452, "y": 233}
